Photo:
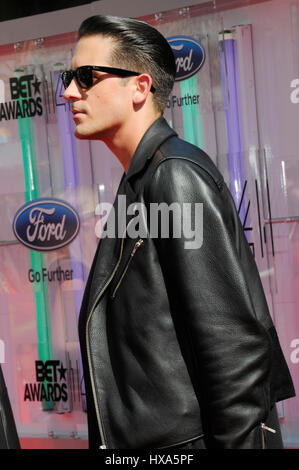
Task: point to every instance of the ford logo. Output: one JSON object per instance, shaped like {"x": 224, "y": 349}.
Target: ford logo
{"x": 46, "y": 224}
{"x": 189, "y": 56}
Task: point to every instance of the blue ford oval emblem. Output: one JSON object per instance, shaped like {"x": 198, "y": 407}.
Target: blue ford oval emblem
{"x": 46, "y": 224}
{"x": 189, "y": 56}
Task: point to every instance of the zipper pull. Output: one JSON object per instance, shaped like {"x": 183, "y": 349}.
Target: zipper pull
{"x": 263, "y": 426}
{"x": 137, "y": 245}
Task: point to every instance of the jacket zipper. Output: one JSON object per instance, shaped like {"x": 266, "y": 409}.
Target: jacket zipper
{"x": 137, "y": 245}
{"x": 265, "y": 428}
{"x": 103, "y": 446}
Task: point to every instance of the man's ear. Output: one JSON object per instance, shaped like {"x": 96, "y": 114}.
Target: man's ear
{"x": 143, "y": 86}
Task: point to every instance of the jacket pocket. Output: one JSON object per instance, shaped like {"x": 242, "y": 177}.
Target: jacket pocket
{"x": 191, "y": 443}
{"x": 136, "y": 247}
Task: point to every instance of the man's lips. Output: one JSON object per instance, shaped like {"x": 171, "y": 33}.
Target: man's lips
{"x": 76, "y": 111}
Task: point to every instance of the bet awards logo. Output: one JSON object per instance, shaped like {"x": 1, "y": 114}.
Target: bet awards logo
{"x": 50, "y": 382}
{"x": 24, "y": 100}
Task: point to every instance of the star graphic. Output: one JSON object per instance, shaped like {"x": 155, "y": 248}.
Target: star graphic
{"x": 36, "y": 85}
{"x": 62, "y": 372}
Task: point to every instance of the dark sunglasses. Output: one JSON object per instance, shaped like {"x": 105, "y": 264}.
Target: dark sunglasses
{"x": 84, "y": 78}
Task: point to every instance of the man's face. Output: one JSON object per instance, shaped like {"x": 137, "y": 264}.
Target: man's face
{"x": 100, "y": 111}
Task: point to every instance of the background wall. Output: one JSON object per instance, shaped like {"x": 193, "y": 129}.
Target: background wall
{"x": 65, "y": 20}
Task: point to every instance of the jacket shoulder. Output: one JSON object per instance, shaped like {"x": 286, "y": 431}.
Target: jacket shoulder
{"x": 177, "y": 149}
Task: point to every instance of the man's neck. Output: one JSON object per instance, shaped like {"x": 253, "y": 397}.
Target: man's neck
{"x": 124, "y": 142}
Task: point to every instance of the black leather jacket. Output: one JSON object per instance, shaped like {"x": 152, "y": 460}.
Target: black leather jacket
{"x": 8, "y": 432}
{"x": 178, "y": 343}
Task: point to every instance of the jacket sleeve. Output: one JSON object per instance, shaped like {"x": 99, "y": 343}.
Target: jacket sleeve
{"x": 207, "y": 291}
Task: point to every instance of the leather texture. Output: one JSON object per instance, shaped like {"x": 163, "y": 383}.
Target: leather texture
{"x": 178, "y": 344}
{"x": 8, "y": 432}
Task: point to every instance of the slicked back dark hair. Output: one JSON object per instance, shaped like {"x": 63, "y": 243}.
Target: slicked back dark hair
{"x": 139, "y": 47}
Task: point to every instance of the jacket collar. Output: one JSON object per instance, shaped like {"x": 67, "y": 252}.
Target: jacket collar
{"x": 157, "y": 133}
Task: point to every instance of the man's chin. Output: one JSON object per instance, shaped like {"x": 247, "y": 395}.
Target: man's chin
{"x": 84, "y": 134}
{"x": 81, "y": 134}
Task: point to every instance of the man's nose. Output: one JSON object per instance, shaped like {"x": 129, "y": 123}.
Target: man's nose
{"x": 72, "y": 92}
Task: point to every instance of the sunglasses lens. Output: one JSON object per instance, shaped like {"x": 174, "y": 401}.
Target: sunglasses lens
{"x": 84, "y": 77}
{"x": 66, "y": 77}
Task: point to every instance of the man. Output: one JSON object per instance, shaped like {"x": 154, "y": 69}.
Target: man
{"x": 178, "y": 346}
